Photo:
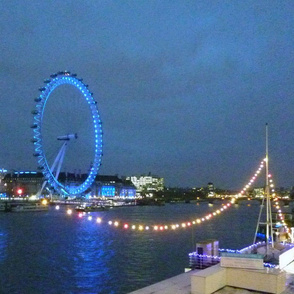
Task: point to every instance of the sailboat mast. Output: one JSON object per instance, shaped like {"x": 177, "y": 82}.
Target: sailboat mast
{"x": 269, "y": 225}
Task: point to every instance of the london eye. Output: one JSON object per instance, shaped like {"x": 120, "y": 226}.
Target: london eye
{"x": 67, "y": 134}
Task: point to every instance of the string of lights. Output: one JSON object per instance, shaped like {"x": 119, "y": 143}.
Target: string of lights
{"x": 277, "y": 204}
{"x": 177, "y": 225}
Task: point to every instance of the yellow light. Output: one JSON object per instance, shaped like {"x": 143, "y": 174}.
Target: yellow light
{"x": 165, "y": 227}
{"x": 44, "y": 201}
{"x": 155, "y": 228}
{"x": 116, "y": 224}
{"x": 198, "y": 221}
{"x": 140, "y": 228}
{"x": 69, "y": 211}
{"x": 173, "y": 227}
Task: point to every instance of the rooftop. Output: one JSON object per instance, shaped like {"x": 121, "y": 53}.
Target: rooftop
{"x": 181, "y": 284}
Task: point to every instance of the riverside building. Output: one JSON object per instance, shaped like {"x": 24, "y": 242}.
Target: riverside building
{"x": 147, "y": 185}
{"x": 27, "y": 183}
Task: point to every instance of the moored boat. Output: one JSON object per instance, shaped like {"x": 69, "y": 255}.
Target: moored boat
{"x": 26, "y": 207}
{"x": 89, "y": 208}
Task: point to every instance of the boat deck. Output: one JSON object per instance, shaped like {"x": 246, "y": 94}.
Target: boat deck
{"x": 181, "y": 284}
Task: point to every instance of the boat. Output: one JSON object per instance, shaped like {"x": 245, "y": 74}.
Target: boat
{"x": 5, "y": 207}
{"x": 26, "y": 207}
{"x": 90, "y": 208}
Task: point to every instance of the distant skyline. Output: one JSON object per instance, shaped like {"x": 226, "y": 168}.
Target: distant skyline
{"x": 184, "y": 88}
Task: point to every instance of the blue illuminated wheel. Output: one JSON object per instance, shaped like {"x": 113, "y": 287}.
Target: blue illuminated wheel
{"x": 58, "y": 117}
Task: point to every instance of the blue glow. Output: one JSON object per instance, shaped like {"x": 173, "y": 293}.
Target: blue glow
{"x": 108, "y": 191}
{"x": 62, "y": 78}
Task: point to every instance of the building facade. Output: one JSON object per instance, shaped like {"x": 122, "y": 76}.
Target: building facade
{"x": 147, "y": 185}
{"x": 26, "y": 184}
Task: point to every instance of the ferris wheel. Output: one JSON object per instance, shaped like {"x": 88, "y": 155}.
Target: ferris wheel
{"x": 67, "y": 134}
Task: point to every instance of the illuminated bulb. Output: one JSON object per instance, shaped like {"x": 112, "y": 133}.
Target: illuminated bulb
{"x": 57, "y": 207}
{"x": 198, "y": 221}
{"x": 161, "y": 228}
{"x": 110, "y": 222}
{"x": 147, "y": 228}
{"x": 165, "y": 227}
{"x": 69, "y": 211}
{"x": 173, "y": 227}
{"x": 183, "y": 225}
{"x": 99, "y": 220}
{"x": 116, "y": 224}
{"x": 80, "y": 215}
{"x": 155, "y": 228}
{"x": 140, "y": 228}
{"x": 89, "y": 217}
{"x": 126, "y": 226}
{"x": 133, "y": 227}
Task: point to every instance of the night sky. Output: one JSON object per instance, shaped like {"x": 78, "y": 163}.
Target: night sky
{"x": 184, "y": 88}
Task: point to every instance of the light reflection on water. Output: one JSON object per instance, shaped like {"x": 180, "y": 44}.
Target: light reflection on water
{"x": 51, "y": 252}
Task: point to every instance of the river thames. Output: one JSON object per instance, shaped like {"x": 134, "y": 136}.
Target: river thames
{"x": 52, "y": 252}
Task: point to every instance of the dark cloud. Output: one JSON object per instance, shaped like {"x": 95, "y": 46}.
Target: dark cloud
{"x": 184, "y": 88}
